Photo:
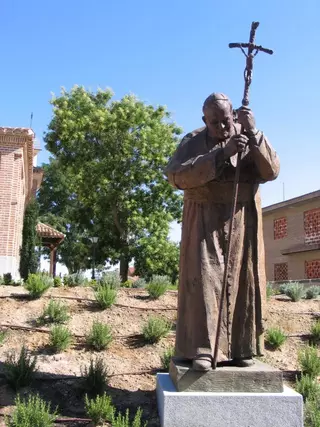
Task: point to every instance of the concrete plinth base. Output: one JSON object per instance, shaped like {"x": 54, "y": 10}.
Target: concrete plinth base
{"x": 258, "y": 378}
{"x": 208, "y": 409}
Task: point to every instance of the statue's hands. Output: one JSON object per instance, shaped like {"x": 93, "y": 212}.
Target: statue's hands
{"x": 237, "y": 143}
{"x": 247, "y": 120}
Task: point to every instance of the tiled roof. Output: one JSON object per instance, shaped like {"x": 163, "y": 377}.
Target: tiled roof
{"x": 16, "y": 131}
{"x": 45, "y": 230}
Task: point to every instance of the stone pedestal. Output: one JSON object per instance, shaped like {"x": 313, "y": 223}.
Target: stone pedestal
{"x": 225, "y": 409}
{"x": 258, "y": 378}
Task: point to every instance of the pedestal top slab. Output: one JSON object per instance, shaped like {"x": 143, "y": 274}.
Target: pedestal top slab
{"x": 258, "y": 378}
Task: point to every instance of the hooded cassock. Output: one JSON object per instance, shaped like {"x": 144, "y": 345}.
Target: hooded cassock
{"x": 198, "y": 167}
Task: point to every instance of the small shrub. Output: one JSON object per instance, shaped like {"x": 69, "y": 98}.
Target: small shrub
{"x": 36, "y": 285}
{"x": 269, "y": 290}
{"x": 54, "y": 312}
{"x": 315, "y": 332}
{"x": 309, "y": 361}
{"x": 7, "y": 279}
{"x": 312, "y": 413}
{"x": 105, "y": 296}
{"x": 111, "y": 279}
{"x": 57, "y": 282}
{"x": 3, "y": 335}
{"x": 75, "y": 279}
{"x": 100, "y": 336}
{"x": 127, "y": 284}
{"x": 20, "y": 371}
{"x": 99, "y": 409}
{"x": 155, "y": 329}
{"x": 124, "y": 420}
{"x": 34, "y": 412}
{"x": 139, "y": 283}
{"x": 158, "y": 286}
{"x": 95, "y": 377}
{"x": 275, "y": 338}
{"x": 283, "y": 288}
{"x": 60, "y": 338}
{"x": 166, "y": 357}
{"x": 308, "y": 387}
{"x": 295, "y": 291}
{"x": 313, "y": 292}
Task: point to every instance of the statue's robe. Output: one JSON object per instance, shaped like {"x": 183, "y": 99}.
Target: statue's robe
{"x": 198, "y": 167}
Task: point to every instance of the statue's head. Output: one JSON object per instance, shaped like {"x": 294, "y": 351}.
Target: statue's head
{"x": 218, "y": 116}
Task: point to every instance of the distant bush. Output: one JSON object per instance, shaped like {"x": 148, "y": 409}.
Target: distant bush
{"x": 269, "y": 290}
{"x": 54, "y": 312}
{"x": 60, "y": 338}
{"x": 99, "y": 409}
{"x": 105, "y": 296}
{"x": 75, "y": 279}
{"x": 3, "y": 335}
{"x": 37, "y": 285}
{"x": 312, "y": 413}
{"x": 57, "y": 282}
{"x": 158, "y": 286}
{"x": 155, "y": 329}
{"x": 7, "y": 279}
{"x": 111, "y": 280}
{"x": 313, "y": 292}
{"x": 139, "y": 283}
{"x": 19, "y": 371}
{"x": 95, "y": 377}
{"x": 124, "y": 420}
{"x": 315, "y": 332}
{"x": 275, "y": 338}
{"x": 295, "y": 291}
{"x": 283, "y": 288}
{"x": 100, "y": 336}
{"x": 166, "y": 357}
{"x": 309, "y": 361}
{"x": 308, "y": 387}
{"x": 33, "y": 412}
{"x": 127, "y": 284}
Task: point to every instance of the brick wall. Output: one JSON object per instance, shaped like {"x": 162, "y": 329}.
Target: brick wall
{"x": 289, "y": 227}
{"x": 312, "y": 225}
{"x": 280, "y": 228}
{"x": 281, "y": 271}
{"x": 312, "y": 269}
{"x": 15, "y": 156}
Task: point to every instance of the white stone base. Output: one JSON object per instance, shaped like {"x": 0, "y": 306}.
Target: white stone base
{"x": 203, "y": 409}
{"x": 8, "y": 264}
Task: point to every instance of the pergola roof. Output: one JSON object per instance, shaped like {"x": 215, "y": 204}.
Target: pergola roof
{"x": 45, "y": 230}
{"x": 50, "y": 236}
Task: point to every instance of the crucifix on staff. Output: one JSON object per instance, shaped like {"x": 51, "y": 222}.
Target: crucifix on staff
{"x": 222, "y": 279}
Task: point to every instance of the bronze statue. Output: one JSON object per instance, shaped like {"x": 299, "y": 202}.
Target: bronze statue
{"x": 204, "y": 167}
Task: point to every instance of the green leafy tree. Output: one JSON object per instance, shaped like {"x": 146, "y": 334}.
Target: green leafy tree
{"x": 29, "y": 258}
{"x": 61, "y": 208}
{"x": 156, "y": 255}
{"x": 115, "y": 152}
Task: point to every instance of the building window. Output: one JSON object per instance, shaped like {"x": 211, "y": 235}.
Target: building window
{"x": 280, "y": 228}
{"x": 312, "y": 226}
{"x": 312, "y": 269}
{"x": 281, "y": 271}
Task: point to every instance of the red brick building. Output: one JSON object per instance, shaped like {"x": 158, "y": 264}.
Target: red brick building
{"x": 292, "y": 238}
{"x": 18, "y": 180}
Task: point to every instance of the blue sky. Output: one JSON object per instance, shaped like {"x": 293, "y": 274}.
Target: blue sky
{"x": 172, "y": 52}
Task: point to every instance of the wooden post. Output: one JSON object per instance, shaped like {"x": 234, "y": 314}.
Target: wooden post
{"x": 54, "y": 262}
{"x": 51, "y": 260}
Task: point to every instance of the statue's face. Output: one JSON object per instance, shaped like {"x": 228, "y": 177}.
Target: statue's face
{"x": 219, "y": 121}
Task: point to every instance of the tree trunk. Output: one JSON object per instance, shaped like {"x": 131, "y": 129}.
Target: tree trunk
{"x": 124, "y": 266}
